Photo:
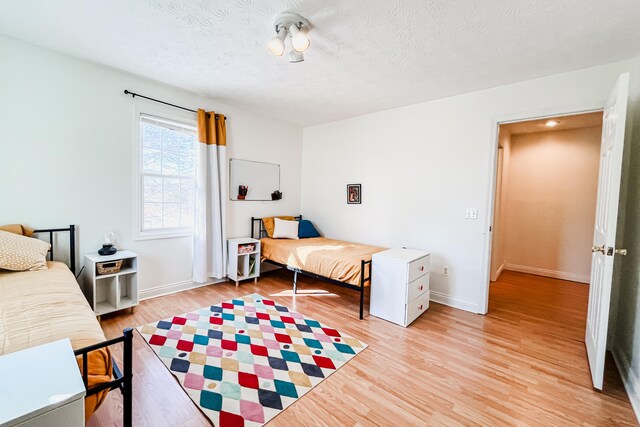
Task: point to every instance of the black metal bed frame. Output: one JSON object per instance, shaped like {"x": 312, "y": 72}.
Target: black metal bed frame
{"x": 122, "y": 379}
{"x": 262, "y": 232}
{"x": 72, "y": 243}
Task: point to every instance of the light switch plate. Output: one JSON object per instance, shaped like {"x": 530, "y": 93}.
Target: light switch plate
{"x": 471, "y": 213}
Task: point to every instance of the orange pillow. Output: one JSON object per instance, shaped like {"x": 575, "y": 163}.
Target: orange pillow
{"x": 269, "y": 223}
{"x": 17, "y": 229}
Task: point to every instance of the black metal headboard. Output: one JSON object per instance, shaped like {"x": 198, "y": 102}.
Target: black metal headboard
{"x": 262, "y": 232}
{"x": 72, "y": 243}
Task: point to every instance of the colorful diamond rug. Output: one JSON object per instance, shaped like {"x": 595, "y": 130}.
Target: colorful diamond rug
{"x": 244, "y": 361}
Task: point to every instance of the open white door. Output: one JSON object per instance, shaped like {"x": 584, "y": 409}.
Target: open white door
{"x": 604, "y": 236}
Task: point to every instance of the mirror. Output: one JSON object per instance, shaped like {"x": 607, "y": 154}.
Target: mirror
{"x": 260, "y": 178}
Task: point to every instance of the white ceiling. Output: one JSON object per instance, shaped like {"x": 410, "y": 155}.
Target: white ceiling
{"x": 574, "y": 121}
{"x": 365, "y": 56}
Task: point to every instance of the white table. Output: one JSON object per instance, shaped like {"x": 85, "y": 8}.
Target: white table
{"x": 41, "y": 386}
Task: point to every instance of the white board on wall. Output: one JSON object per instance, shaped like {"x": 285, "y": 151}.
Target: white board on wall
{"x": 261, "y": 178}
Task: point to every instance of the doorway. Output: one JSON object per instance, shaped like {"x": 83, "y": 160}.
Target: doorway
{"x": 603, "y": 248}
{"x": 545, "y": 197}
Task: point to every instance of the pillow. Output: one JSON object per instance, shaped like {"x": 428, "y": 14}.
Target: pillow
{"x": 21, "y": 253}
{"x": 307, "y": 230}
{"x": 285, "y": 229}
{"x": 17, "y": 229}
{"x": 269, "y": 224}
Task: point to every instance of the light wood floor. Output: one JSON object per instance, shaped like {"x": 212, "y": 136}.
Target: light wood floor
{"x": 523, "y": 363}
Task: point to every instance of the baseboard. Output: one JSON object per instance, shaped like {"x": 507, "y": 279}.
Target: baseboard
{"x": 498, "y": 272}
{"x": 630, "y": 379}
{"x": 445, "y": 299}
{"x": 172, "y": 288}
{"x": 547, "y": 273}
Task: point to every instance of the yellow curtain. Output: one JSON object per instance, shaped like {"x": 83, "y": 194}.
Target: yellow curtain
{"x": 212, "y": 128}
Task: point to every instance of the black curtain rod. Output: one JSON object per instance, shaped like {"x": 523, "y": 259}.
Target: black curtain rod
{"x": 126, "y": 92}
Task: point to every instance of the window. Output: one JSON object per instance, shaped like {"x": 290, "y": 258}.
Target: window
{"x": 167, "y": 177}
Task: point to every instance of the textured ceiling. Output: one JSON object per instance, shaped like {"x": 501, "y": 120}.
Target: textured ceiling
{"x": 365, "y": 56}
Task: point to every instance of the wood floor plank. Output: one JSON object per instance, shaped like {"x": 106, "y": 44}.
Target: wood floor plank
{"x": 522, "y": 364}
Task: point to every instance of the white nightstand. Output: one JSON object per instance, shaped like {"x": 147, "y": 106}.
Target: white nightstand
{"x": 400, "y": 285}
{"x": 112, "y": 292}
{"x": 42, "y": 386}
{"x": 244, "y": 259}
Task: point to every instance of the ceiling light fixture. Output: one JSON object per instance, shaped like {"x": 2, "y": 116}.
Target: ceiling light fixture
{"x": 276, "y": 44}
{"x": 295, "y": 56}
{"x": 294, "y": 27}
{"x": 551, "y": 123}
{"x": 299, "y": 39}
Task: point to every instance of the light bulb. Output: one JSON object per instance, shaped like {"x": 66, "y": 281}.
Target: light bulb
{"x": 295, "y": 56}
{"x": 110, "y": 237}
{"x": 276, "y": 44}
{"x": 299, "y": 38}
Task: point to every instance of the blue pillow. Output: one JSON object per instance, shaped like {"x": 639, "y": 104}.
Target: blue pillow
{"x": 306, "y": 230}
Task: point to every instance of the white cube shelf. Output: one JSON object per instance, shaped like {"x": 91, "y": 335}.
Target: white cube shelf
{"x": 112, "y": 292}
{"x": 243, "y": 263}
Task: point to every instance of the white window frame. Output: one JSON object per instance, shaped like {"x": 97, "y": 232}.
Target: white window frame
{"x": 138, "y": 202}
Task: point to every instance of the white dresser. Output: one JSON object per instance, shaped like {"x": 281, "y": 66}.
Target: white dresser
{"x": 400, "y": 285}
{"x": 41, "y": 387}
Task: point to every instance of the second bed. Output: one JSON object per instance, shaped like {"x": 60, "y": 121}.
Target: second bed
{"x": 344, "y": 263}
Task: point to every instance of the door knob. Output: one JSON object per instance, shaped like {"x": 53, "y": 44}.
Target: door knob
{"x": 622, "y": 252}
{"x": 596, "y": 248}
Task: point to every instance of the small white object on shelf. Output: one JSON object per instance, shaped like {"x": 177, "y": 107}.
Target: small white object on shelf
{"x": 244, "y": 259}
{"x": 400, "y": 285}
{"x": 42, "y": 386}
{"x": 111, "y": 292}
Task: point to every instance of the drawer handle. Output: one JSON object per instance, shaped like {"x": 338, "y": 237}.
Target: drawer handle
{"x": 420, "y": 308}
{"x": 422, "y": 268}
{"x": 421, "y": 287}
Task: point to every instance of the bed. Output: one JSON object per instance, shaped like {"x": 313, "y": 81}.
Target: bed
{"x": 42, "y": 306}
{"x": 343, "y": 263}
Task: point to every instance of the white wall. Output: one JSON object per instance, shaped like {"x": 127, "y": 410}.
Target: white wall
{"x": 550, "y": 201}
{"x": 66, "y": 155}
{"x": 422, "y": 165}
{"x": 625, "y": 304}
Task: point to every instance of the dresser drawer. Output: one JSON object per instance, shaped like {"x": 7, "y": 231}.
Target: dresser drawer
{"x": 417, "y": 287}
{"x": 418, "y": 268}
{"x": 416, "y": 307}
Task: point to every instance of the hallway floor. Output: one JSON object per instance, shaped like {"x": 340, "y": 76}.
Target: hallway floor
{"x": 550, "y": 315}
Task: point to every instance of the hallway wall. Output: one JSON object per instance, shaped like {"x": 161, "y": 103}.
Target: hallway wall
{"x": 549, "y": 199}
{"x": 499, "y": 217}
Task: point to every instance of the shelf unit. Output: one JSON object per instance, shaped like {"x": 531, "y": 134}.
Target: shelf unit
{"x": 243, "y": 265}
{"x": 112, "y": 292}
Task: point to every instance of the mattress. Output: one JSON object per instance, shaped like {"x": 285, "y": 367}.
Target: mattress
{"x": 335, "y": 259}
{"x": 37, "y": 307}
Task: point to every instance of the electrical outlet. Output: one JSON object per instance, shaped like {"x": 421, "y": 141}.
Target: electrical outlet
{"x": 445, "y": 270}
{"x": 471, "y": 213}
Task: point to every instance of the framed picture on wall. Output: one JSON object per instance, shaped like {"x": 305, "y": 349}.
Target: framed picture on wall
{"x": 354, "y": 194}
